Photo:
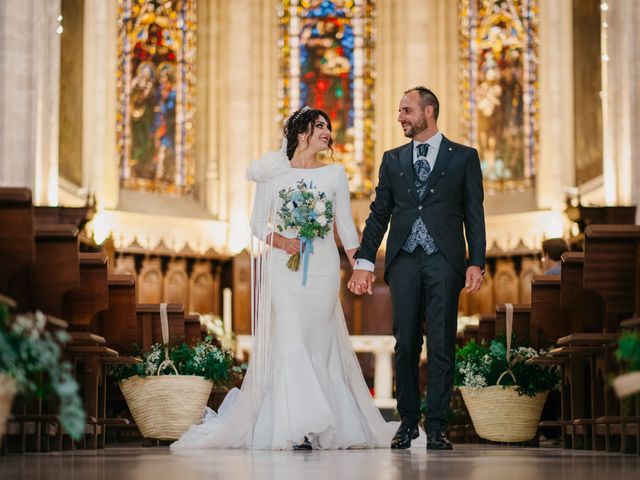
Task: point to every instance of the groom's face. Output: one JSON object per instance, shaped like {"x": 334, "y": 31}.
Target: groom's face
{"x": 411, "y": 115}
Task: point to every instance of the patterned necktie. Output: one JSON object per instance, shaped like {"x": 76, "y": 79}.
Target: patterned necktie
{"x": 422, "y": 169}
{"x": 419, "y": 235}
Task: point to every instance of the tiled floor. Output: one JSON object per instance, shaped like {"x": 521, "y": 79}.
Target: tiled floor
{"x": 478, "y": 462}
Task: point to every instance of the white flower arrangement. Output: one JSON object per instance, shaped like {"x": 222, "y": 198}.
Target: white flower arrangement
{"x": 213, "y": 324}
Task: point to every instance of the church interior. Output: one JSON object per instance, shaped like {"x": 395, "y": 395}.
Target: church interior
{"x": 127, "y": 127}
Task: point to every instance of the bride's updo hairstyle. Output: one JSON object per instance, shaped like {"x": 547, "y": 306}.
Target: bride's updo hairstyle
{"x": 301, "y": 121}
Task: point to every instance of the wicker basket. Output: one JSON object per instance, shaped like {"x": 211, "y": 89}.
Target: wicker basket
{"x": 499, "y": 414}
{"x": 164, "y": 407}
{"x": 7, "y": 392}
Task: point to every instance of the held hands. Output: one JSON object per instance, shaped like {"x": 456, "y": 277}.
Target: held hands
{"x": 474, "y": 279}
{"x": 361, "y": 281}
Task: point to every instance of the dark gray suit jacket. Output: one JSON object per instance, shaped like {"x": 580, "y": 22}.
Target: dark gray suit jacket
{"x": 453, "y": 200}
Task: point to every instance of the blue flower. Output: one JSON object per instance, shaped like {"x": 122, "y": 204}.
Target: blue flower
{"x": 298, "y": 216}
{"x": 297, "y": 197}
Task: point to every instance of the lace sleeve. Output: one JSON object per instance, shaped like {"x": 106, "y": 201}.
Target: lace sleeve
{"x": 342, "y": 210}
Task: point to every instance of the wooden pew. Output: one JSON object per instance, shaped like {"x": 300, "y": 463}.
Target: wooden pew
{"x": 586, "y": 313}
{"x": 521, "y": 322}
{"x": 88, "y": 358}
{"x": 148, "y": 329}
{"x": 115, "y": 323}
{"x": 612, "y": 270}
{"x": 77, "y": 216}
{"x": 486, "y": 329}
{"x": 548, "y": 320}
{"x": 600, "y": 287}
{"x": 585, "y": 306}
{"x": 92, "y": 297}
{"x": 193, "y": 330}
{"x": 588, "y": 393}
{"x": 56, "y": 271}
{"x": 17, "y": 245}
{"x": 470, "y": 332}
{"x": 8, "y": 301}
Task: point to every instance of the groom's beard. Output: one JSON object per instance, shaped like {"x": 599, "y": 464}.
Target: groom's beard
{"x": 416, "y": 127}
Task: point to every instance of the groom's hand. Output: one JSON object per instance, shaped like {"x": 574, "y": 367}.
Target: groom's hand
{"x": 474, "y": 279}
{"x": 361, "y": 281}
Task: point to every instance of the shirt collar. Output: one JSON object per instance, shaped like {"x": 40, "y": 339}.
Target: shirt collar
{"x": 433, "y": 142}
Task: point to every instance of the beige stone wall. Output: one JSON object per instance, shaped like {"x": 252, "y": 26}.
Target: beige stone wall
{"x": 29, "y": 96}
{"x": 621, "y": 109}
{"x": 237, "y": 101}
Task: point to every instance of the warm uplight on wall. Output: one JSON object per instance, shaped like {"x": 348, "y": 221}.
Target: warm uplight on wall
{"x": 554, "y": 224}
{"x": 101, "y": 227}
{"x": 60, "y": 28}
{"x": 239, "y": 233}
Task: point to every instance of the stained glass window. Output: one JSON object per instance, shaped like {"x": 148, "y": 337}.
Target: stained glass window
{"x": 156, "y": 101}
{"x": 327, "y": 61}
{"x": 499, "y": 88}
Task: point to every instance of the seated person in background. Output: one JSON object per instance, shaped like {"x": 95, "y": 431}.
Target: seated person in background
{"x": 552, "y": 250}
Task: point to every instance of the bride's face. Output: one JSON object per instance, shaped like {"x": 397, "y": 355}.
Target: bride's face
{"x": 320, "y": 138}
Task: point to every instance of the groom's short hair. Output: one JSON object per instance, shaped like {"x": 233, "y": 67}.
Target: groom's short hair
{"x": 427, "y": 98}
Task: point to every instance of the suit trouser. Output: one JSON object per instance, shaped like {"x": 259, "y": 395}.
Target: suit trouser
{"x": 424, "y": 292}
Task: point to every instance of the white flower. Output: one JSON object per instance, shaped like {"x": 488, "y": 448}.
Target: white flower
{"x": 321, "y": 207}
{"x": 322, "y": 220}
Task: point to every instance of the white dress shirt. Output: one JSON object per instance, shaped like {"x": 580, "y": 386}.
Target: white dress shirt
{"x": 432, "y": 153}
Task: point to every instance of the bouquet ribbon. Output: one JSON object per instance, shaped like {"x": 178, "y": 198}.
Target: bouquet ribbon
{"x": 306, "y": 249}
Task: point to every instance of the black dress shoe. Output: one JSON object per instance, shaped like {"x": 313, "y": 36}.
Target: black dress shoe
{"x": 306, "y": 445}
{"x": 437, "y": 441}
{"x": 404, "y": 435}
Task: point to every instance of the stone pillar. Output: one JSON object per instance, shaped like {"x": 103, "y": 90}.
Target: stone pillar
{"x": 100, "y": 56}
{"x": 247, "y": 104}
{"x": 443, "y": 65}
{"x": 29, "y": 88}
{"x": 621, "y": 103}
{"x": 207, "y": 103}
{"x": 555, "y": 168}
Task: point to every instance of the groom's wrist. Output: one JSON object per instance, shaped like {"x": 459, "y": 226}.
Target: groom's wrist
{"x": 363, "y": 264}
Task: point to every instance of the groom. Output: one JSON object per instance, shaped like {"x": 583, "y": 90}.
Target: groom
{"x": 429, "y": 189}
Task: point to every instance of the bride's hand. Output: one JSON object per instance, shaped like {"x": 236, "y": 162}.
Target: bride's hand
{"x": 289, "y": 245}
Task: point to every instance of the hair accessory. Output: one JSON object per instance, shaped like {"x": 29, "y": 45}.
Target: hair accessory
{"x": 300, "y": 112}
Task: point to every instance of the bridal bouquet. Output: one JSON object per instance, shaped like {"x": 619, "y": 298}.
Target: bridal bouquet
{"x": 307, "y": 211}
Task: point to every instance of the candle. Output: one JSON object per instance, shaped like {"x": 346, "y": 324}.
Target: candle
{"x": 226, "y": 312}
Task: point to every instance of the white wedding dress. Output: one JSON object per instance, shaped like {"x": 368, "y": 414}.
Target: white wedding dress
{"x": 315, "y": 387}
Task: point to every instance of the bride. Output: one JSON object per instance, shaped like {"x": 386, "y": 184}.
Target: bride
{"x": 304, "y": 388}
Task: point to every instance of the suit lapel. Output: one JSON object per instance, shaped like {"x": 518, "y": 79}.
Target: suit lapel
{"x": 406, "y": 168}
{"x": 445, "y": 152}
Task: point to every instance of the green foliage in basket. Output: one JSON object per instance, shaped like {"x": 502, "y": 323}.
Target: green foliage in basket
{"x": 479, "y": 366}
{"x": 628, "y": 352}
{"x": 31, "y": 355}
{"x": 203, "y": 359}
